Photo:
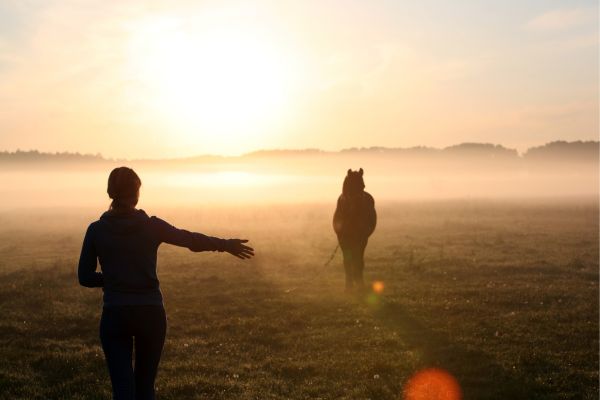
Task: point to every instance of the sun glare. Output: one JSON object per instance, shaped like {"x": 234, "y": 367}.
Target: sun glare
{"x": 221, "y": 179}
{"x": 230, "y": 81}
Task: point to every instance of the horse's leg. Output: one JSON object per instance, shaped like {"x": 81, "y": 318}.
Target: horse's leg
{"x": 359, "y": 264}
{"x": 347, "y": 253}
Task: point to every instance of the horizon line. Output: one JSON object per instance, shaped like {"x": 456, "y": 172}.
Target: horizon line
{"x": 298, "y": 150}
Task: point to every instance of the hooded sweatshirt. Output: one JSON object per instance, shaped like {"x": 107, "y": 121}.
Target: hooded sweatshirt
{"x": 125, "y": 243}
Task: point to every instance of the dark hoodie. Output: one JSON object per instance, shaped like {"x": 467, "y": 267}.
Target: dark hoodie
{"x": 126, "y": 244}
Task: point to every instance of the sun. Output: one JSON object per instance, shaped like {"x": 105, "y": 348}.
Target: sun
{"x": 229, "y": 82}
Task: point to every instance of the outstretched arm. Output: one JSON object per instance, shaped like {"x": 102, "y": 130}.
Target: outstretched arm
{"x": 196, "y": 241}
{"x": 237, "y": 248}
{"x": 86, "y": 271}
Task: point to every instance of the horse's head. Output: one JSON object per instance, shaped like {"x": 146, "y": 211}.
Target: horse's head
{"x": 353, "y": 183}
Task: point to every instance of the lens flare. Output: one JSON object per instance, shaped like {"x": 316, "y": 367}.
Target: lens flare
{"x": 432, "y": 384}
{"x": 378, "y": 287}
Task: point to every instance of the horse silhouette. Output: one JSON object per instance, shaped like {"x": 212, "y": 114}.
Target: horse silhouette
{"x": 354, "y": 221}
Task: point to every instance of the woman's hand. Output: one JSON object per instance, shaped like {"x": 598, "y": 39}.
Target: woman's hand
{"x": 237, "y": 248}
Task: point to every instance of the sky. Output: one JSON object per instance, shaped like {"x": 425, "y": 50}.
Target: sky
{"x": 183, "y": 78}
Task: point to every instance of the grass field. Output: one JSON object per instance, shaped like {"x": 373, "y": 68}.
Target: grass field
{"x": 503, "y": 295}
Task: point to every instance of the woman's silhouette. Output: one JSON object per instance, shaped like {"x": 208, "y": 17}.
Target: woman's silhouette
{"x": 125, "y": 241}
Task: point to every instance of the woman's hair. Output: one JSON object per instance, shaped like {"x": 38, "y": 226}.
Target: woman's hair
{"x": 123, "y": 188}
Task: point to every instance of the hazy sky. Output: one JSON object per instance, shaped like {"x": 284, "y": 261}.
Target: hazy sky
{"x": 180, "y": 78}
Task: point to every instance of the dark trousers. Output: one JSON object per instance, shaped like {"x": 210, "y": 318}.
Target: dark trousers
{"x": 121, "y": 329}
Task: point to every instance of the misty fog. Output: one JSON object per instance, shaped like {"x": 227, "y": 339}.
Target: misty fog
{"x": 304, "y": 176}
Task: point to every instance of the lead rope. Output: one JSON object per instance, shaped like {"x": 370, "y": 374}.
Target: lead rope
{"x": 332, "y": 256}
{"x": 321, "y": 271}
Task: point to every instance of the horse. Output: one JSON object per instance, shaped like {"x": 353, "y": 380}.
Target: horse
{"x": 354, "y": 221}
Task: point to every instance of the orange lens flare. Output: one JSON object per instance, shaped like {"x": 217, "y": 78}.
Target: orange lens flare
{"x": 378, "y": 287}
{"x": 432, "y": 384}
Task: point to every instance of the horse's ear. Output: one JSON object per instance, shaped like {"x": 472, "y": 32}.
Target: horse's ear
{"x": 349, "y": 171}
{"x": 360, "y": 172}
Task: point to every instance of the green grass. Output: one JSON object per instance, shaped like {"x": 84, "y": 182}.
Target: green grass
{"x": 503, "y": 295}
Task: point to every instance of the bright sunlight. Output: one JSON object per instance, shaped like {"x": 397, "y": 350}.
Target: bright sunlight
{"x": 228, "y": 81}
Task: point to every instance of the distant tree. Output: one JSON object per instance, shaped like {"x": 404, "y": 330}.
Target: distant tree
{"x": 37, "y": 156}
{"x": 566, "y": 151}
{"x": 486, "y": 150}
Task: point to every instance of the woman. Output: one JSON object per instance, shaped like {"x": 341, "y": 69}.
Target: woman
{"x": 125, "y": 241}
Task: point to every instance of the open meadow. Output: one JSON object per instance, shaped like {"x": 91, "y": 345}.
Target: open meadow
{"x": 501, "y": 294}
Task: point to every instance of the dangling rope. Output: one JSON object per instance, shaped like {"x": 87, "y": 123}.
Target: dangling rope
{"x": 332, "y": 256}
{"x": 318, "y": 274}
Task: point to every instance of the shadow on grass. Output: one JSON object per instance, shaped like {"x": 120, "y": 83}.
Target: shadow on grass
{"x": 479, "y": 376}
